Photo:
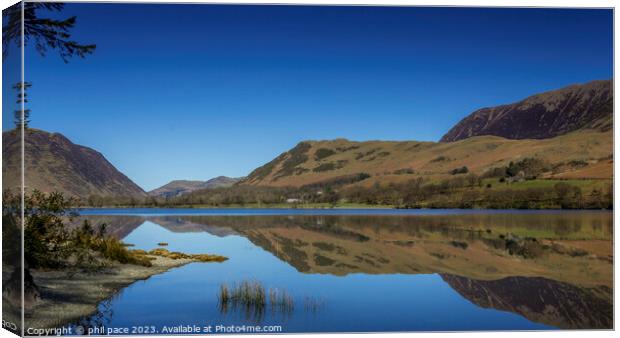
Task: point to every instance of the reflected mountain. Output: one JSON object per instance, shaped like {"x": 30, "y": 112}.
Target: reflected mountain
{"x": 554, "y": 246}
{"x": 192, "y": 224}
{"x": 117, "y": 226}
{"x": 555, "y": 269}
{"x": 541, "y": 300}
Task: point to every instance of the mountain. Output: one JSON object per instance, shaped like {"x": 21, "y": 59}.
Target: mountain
{"x": 569, "y": 128}
{"x": 54, "y": 163}
{"x": 581, "y": 154}
{"x": 545, "y": 115}
{"x": 180, "y": 187}
{"x": 540, "y": 299}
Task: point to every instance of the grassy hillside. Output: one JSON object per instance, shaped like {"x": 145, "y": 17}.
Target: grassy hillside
{"x": 577, "y": 155}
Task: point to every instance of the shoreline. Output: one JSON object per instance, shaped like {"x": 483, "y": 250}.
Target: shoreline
{"x": 67, "y": 299}
{"x": 340, "y": 207}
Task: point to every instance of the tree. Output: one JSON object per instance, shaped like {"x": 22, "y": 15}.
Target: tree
{"x": 22, "y": 115}
{"x": 44, "y": 32}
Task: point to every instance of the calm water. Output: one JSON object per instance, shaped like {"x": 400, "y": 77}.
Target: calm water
{"x": 371, "y": 270}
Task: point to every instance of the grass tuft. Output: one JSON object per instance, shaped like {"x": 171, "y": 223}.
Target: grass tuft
{"x": 251, "y": 296}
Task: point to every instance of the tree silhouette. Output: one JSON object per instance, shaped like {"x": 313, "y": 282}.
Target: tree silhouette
{"x": 22, "y": 115}
{"x": 45, "y": 32}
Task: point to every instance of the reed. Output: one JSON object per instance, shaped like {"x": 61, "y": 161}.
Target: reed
{"x": 313, "y": 305}
{"x": 281, "y": 300}
{"x": 252, "y": 294}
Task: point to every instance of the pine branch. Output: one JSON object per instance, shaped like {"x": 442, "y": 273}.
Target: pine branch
{"x": 46, "y": 32}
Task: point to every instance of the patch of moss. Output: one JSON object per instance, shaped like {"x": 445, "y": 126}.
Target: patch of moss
{"x": 324, "y": 246}
{"x": 404, "y": 171}
{"x": 330, "y": 166}
{"x": 296, "y": 156}
{"x": 322, "y": 153}
{"x": 439, "y": 159}
{"x": 264, "y": 171}
{"x": 344, "y": 149}
{"x": 324, "y": 167}
{"x": 322, "y": 260}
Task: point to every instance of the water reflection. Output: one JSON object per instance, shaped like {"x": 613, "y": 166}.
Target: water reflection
{"x": 540, "y": 299}
{"x": 554, "y": 269}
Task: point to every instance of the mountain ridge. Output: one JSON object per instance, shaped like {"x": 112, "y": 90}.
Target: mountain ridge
{"x": 573, "y": 133}
{"x": 543, "y": 115}
{"x": 580, "y": 143}
{"x": 180, "y": 187}
{"x": 54, "y": 163}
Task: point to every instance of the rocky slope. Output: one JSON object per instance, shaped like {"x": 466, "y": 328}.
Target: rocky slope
{"x": 54, "y": 163}
{"x": 541, "y": 300}
{"x": 545, "y": 115}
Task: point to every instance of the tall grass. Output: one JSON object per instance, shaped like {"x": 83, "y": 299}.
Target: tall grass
{"x": 247, "y": 293}
{"x": 248, "y": 296}
{"x": 280, "y": 300}
{"x": 252, "y": 297}
{"x": 313, "y": 305}
{"x": 113, "y": 249}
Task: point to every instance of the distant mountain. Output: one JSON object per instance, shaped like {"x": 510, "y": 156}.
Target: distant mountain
{"x": 180, "y": 187}
{"x": 54, "y": 163}
{"x": 365, "y": 163}
{"x": 553, "y": 113}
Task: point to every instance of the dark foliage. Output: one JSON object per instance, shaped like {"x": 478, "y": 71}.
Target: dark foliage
{"x": 50, "y": 243}
{"x": 22, "y": 115}
{"x": 462, "y": 170}
{"x": 322, "y": 153}
{"x": 43, "y": 32}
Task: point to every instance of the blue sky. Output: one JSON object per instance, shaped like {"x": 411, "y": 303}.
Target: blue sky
{"x": 197, "y": 91}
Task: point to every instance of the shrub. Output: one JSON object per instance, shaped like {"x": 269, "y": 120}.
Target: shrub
{"x": 403, "y": 171}
{"x": 49, "y": 243}
{"x": 530, "y": 167}
{"x": 461, "y": 170}
{"x": 114, "y": 250}
{"x": 324, "y": 167}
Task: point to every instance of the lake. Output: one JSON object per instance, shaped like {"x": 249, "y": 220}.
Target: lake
{"x": 371, "y": 270}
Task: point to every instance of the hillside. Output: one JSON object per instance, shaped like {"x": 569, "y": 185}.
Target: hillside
{"x": 549, "y": 114}
{"x": 180, "y": 187}
{"x": 312, "y": 162}
{"x": 54, "y": 163}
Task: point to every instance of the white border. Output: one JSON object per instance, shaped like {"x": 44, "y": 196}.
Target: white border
{"x": 446, "y": 3}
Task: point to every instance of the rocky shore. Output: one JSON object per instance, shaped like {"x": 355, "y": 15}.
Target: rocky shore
{"x": 66, "y": 297}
